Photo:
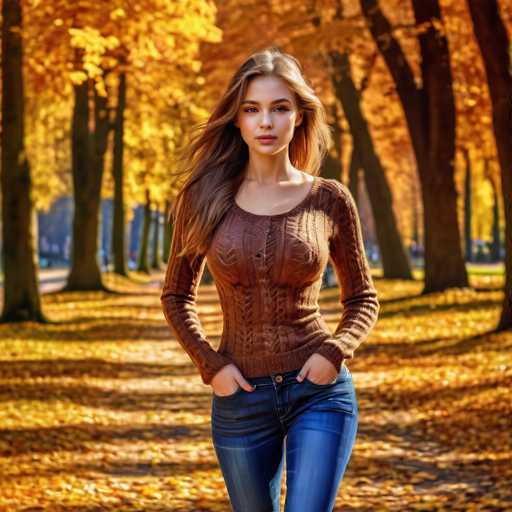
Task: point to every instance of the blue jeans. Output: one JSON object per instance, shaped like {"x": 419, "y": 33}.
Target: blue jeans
{"x": 315, "y": 426}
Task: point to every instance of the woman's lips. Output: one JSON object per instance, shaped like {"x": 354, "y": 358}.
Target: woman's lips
{"x": 266, "y": 139}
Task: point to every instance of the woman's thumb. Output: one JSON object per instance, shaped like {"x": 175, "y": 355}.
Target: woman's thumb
{"x": 301, "y": 375}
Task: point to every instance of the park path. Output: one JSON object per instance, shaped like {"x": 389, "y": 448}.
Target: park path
{"x": 105, "y": 412}
{"x": 394, "y": 465}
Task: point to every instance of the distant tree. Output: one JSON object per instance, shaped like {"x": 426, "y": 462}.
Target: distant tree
{"x": 468, "y": 239}
{"x": 156, "y": 260}
{"x": 493, "y": 40}
{"x": 19, "y": 255}
{"x": 429, "y": 111}
{"x": 118, "y": 224}
{"x": 143, "y": 260}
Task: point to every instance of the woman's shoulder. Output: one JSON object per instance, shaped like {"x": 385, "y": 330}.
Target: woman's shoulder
{"x": 334, "y": 192}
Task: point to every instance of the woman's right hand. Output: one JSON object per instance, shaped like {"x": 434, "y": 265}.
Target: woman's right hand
{"x": 227, "y": 380}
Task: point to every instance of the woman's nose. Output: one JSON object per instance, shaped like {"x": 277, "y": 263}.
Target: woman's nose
{"x": 266, "y": 119}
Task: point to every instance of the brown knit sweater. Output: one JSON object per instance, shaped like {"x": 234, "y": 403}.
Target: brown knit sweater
{"x": 268, "y": 272}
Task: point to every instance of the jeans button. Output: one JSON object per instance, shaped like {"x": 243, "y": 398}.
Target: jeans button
{"x": 279, "y": 378}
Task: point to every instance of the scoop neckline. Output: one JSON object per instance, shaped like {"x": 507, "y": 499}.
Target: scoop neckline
{"x": 314, "y": 185}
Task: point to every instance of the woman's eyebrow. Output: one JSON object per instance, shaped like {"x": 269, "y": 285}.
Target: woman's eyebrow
{"x": 272, "y": 102}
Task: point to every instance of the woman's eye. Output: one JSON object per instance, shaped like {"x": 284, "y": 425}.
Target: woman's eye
{"x": 280, "y": 108}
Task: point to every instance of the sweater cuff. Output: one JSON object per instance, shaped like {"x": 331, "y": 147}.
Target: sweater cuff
{"x": 332, "y": 350}
{"x": 212, "y": 365}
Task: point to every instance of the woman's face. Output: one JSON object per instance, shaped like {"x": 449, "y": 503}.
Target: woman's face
{"x": 268, "y": 109}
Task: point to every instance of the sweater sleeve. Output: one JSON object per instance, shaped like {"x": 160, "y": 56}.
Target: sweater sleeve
{"x": 358, "y": 295}
{"x": 178, "y": 299}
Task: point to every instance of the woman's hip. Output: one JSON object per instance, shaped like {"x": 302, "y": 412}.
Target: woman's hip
{"x": 277, "y": 401}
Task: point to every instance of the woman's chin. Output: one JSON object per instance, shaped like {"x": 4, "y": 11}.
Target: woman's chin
{"x": 269, "y": 149}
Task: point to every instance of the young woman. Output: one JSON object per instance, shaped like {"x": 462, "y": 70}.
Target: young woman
{"x": 254, "y": 207}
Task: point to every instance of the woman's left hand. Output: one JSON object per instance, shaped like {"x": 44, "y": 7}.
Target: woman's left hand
{"x": 318, "y": 369}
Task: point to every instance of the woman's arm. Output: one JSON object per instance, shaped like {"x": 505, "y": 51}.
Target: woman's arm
{"x": 358, "y": 294}
{"x": 178, "y": 299}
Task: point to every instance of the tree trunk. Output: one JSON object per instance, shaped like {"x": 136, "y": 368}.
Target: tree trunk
{"x": 167, "y": 232}
{"x": 143, "y": 265}
{"x": 157, "y": 258}
{"x": 119, "y": 228}
{"x": 353, "y": 175}
{"x": 496, "y": 238}
{"x": 415, "y": 249}
{"x": 430, "y": 115}
{"x": 393, "y": 255}
{"x": 468, "y": 211}
{"x": 88, "y": 151}
{"x": 332, "y": 165}
{"x": 492, "y": 37}
{"x": 416, "y": 217}
{"x": 19, "y": 254}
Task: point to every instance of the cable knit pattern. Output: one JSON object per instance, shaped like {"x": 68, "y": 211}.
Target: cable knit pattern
{"x": 268, "y": 271}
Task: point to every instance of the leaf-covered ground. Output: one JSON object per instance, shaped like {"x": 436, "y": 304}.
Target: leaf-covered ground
{"x": 104, "y": 411}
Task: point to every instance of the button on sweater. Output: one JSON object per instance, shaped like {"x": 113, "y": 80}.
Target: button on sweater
{"x": 268, "y": 273}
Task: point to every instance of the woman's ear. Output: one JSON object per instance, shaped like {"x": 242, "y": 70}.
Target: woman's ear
{"x": 298, "y": 121}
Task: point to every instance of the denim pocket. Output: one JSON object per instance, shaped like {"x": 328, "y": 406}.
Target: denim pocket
{"x": 227, "y": 397}
{"x": 339, "y": 395}
{"x": 344, "y": 374}
{"x": 306, "y": 380}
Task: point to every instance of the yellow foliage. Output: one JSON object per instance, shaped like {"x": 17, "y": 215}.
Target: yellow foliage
{"x": 155, "y": 42}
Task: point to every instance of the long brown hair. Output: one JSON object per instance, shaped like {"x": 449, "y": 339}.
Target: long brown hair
{"x": 215, "y": 157}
